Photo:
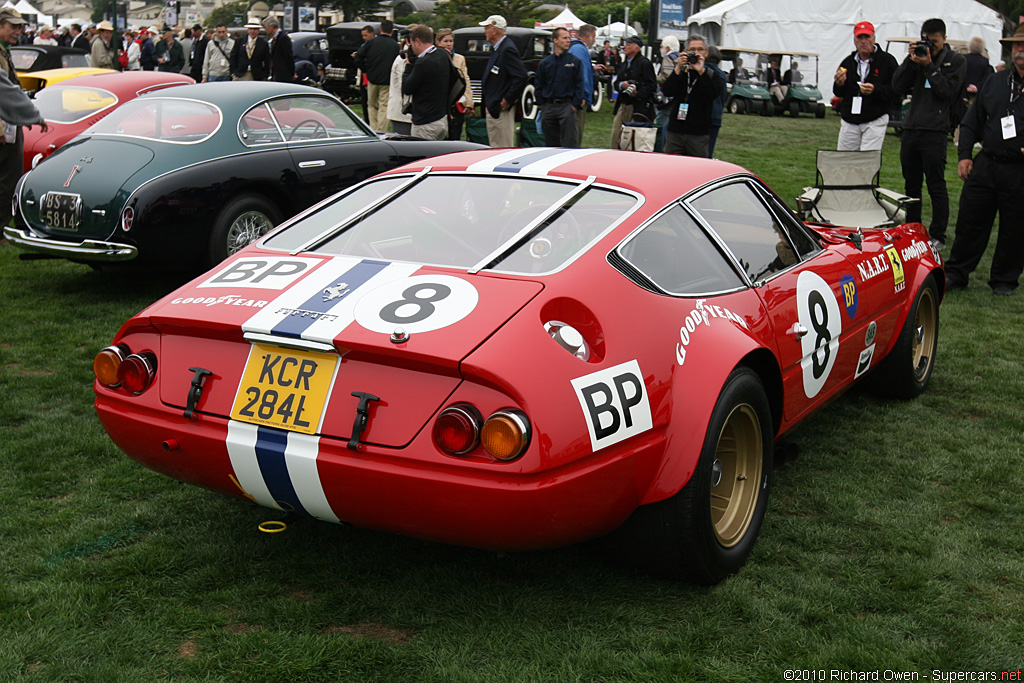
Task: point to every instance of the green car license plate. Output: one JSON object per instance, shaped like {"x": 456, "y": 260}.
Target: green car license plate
{"x": 61, "y": 210}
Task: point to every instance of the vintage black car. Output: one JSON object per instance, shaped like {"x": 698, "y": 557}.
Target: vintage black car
{"x": 191, "y": 175}
{"x": 533, "y": 43}
{"x": 342, "y": 75}
{"x": 42, "y": 57}
{"x": 311, "y": 46}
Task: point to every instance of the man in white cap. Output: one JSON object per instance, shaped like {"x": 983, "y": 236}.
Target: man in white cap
{"x": 16, "y": 110}
{"x": 503, "y": 83}
{"x": 45, "y": 36}
{"x": 250, "y": 59}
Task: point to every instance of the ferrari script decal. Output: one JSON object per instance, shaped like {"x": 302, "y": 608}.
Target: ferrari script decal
{"x": 614, "y": 403}
{"x": 818, "y": 311}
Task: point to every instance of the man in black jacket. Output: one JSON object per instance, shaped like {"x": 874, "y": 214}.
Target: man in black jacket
{"x": 559, "y": 83}
{"x": 426, "y": 81}
{"x": 502, "y": 84}
{"x": 250, "y": 58}
{"x": 934, "y": 75}
{"x": 993, "y": 180}
{"x": 375, "y": 57}
{"x": 636, "y": 85}
{"x": 864, "y": 82}
{"x": 197, "y": 52}
{"x": 692, "y": 89}
{"x": 282, "y": 63}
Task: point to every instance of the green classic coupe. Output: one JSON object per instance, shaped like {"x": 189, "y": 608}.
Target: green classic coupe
{"x": 185, "y": 178}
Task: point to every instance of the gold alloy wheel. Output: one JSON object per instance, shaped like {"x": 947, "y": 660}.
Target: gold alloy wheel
{"x": 736, "y": 475}
{"x": 925, "y": 331}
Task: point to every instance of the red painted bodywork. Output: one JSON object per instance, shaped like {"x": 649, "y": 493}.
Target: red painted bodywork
{"x": 126, "y": 85}
{"x": 500, "y": 356}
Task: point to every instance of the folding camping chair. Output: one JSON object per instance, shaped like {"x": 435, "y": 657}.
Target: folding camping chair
{"x": 847, "y": 192}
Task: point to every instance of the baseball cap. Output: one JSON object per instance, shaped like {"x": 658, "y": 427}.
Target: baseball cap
{"x": 495, "y": 20}
{"x": 864, "y": 28}
{"x": 636, "y": 40}
{"x": 11, "y": 16}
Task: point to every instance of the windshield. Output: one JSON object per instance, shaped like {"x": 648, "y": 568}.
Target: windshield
{"x": 464, "y": 221}
{"x": 68, "y": 103}
{"x": 164, "y": 120}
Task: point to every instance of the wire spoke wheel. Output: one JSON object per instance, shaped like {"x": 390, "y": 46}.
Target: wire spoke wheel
{"x": 736, "y": 475}
{"x": 246, "y": 229}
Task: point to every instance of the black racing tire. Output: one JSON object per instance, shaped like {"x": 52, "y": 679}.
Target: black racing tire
{"x": 244, "y": 219}
{"x": 706, "y": 531}
{"x": 794, "y": 109}
{"x": 906, "y": 371}
{"x": 819, "y": 112}
{"x": 736, "y": 105}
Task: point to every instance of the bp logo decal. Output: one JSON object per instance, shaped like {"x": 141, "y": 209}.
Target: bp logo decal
{"x": 849, "y": 295}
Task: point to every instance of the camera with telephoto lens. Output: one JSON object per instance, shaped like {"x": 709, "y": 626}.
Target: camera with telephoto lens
{"x": 692, "y": 57}
{"x": 924, "y": 46}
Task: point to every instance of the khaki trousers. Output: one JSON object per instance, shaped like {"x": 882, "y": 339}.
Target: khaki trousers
{"x": 377, "y": 106}
{"x": 501, "y": 131}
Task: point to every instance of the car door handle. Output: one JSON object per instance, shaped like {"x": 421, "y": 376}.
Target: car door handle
{"x": 312, "y": 164}
{"x": 798, "y": 331}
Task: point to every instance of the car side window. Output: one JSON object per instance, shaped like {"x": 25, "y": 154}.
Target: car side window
{"x": 805, "y": 242}
{"x": 751, "y": 232}
{"x": 674, "y": 253}
{"x": 314, "y": 118}
{"x": 257, "y": 127}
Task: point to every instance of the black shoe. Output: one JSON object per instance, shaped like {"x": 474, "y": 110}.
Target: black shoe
{"x": 1003, "y": 290}
{"x": 952, "y": 284}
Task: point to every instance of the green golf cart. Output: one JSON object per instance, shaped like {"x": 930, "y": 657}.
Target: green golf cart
{"x": 745, "y": 83}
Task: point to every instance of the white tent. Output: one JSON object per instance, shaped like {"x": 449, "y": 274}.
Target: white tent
{"x": 615, "y": 30}
{"x": 24, "y": 7}
{"x": 565, "y": 19}
{"x": 826, "y": 26}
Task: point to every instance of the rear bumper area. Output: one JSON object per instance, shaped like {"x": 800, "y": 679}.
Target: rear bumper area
{"x": 86, "y": 250}
{"x": 377, "y": 488}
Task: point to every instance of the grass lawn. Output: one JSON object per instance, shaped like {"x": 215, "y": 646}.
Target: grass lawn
{"x": 894, "y": 542}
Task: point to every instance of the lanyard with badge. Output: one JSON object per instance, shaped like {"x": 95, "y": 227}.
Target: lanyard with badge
{"x": 863, "y": 71}
{"x": 684, "y": 106}
{"x": 1007, "y": 123}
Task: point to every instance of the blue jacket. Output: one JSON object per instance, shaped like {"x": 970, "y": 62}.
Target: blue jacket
{"x": 580, "y": 50}
{"x": 504, "y": 77}
{"x": 558, "y": 77}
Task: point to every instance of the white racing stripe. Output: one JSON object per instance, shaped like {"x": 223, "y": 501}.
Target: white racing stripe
{"x": 545, "y": 166}
{"x": 241, "y": 443}
{"x": 302, "y": 468}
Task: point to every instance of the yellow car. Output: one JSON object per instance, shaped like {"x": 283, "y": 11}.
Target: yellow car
{"x": 34, "y": 81}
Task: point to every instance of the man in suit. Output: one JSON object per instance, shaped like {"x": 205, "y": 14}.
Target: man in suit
{"x": 636, "y": 84}
{"x": 777, "y": 85}
{"x": 197, "y": 53}
{"x": 375, "y": 57}
{"x": 282, "y": 63}
{"x": 79, "y": 40}
{"x": 503, "y": 83}
{"x": 250, "y": 58}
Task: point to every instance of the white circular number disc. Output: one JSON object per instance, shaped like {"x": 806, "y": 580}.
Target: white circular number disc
{"x": 818, "y": 311}
{"x": 416, "y": 304}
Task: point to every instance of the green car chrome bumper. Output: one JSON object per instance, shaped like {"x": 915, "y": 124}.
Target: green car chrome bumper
{"x": 88, "y": 250}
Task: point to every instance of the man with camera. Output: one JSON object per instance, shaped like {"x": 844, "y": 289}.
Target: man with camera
{"x": 636, "y": 85}
{"x": 933, "y": 75}
{"x": 692, "y": 89}
{"x": 864, "y": 82}
{"x": 993, "y": 180}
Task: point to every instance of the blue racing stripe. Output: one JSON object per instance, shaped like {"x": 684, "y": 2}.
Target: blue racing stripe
{"x": 516, "y": 165}
{"x": 270, "y": 447}
{"x": 323, "y": 301}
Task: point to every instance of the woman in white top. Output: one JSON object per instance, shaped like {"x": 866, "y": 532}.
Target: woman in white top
{"x": 401, "y": 122}
{"x": 446, "y": 39}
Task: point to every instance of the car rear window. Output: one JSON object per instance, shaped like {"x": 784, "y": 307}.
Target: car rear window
{"x": 68, "y": 103}
{"x": 24, "y": 59}
{"x": 162, "y": 119}
{"x": 520, "y": 225}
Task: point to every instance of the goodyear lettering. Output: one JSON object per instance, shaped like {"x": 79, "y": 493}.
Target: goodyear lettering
{"x": 227, "y": 300}
{"x": 702, "y": 315}
{"x": 916, "y": 249}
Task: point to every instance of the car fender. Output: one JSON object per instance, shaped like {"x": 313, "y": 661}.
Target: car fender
{"x": 919, "y": 260}
{"x": 706, "y": 362}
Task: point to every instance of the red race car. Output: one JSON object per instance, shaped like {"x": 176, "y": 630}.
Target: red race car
{"x": 73, "y": 105}
{"x": 517, "y": 349}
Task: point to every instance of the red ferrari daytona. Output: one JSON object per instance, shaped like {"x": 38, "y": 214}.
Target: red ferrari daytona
{"x": 519, "y": 349}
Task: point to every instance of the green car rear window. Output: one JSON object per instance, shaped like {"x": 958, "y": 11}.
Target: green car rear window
{"x": 161, "y": 119}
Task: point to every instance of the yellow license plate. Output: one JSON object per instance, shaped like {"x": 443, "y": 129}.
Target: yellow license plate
{"x": 285, "y": 388}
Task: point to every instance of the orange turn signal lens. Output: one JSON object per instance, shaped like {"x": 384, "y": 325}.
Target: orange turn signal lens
{"x": 106, "y": 364}
{"x": 506, "y": 434}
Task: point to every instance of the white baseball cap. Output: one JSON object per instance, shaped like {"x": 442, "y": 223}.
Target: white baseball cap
{"x": 495, "y": 20}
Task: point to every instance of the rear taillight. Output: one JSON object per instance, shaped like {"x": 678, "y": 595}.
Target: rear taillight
{"x": 106, "y": 364}
{"x": 503, "y": 436}
{"x": 137, "y": 372}
{"x": 457, "y": 430}
{"x": 506, "y": 434}
{"x": 127, "y": 218}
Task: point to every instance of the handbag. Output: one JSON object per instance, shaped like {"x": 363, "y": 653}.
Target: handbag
{"x": 638, "y": 135}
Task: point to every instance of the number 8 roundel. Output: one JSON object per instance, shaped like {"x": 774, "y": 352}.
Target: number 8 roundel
{"x": 817, "y": 311}
{"x": 416, "y": 304}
